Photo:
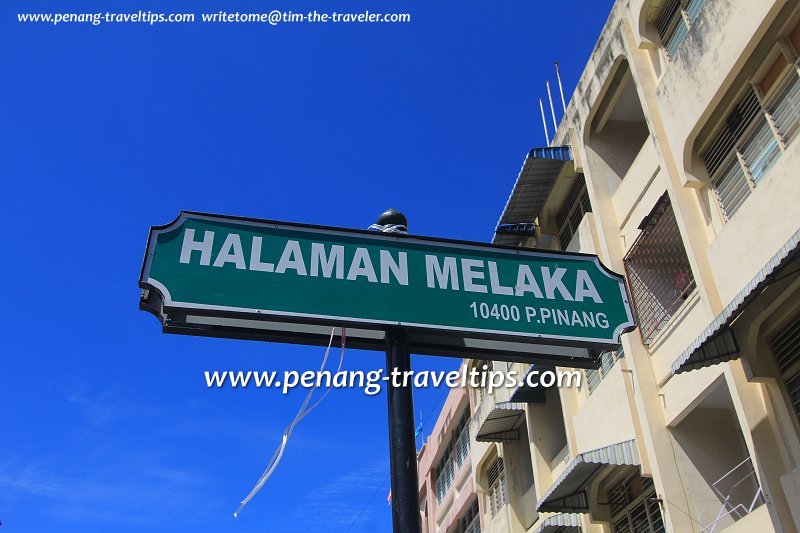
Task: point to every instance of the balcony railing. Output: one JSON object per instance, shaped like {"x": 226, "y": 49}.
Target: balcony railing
{"x": 735, "y": 488}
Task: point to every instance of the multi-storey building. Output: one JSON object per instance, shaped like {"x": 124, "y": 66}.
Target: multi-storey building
{"x": 447, "y": 498}
{"x": 677, "y": 162}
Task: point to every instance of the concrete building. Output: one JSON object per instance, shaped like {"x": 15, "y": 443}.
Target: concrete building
{"x": 447, "y": 498}
{"x": 677, "y": 164}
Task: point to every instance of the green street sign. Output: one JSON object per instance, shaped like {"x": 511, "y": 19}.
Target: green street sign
{"x": 237, "y": 277}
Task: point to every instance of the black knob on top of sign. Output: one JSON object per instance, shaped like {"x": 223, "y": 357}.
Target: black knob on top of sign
{"x": 392, "y": 217}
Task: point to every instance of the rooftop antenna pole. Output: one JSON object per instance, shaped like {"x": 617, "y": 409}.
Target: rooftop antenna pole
{"x": 544, "y": 122}
{"x": 552, "y": 109}
{"x": 421, "y": 433}
{"x": 561, "y": 88}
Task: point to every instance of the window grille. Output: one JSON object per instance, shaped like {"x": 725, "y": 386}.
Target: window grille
{"x": 675, "y": 21}
{"x": 735, "y": 126}
{"x": 445, "y": 474}
{"x": 728, "y": 176}
{"x": 462, "y": 445}
{"x": 498, "y": 491}
{"x": 474, "y": 526}
{"x": 454, "y": 456}
{"x": 634, "y": 507}
{"x": 571, "y": 213}
{"x": 753, "y": 138}
{"x": 470, "y": 522}
{"x": 785, "y": 106}
{"x": 659, "y": 274}
{"x": 607, "y": 362}
{"x": 786, "y": 346}
{"x": 731, "y": 187}
{"x": 760, "y": 150}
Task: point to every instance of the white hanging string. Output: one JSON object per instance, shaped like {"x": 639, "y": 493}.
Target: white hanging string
{"x": 301, "y": 414}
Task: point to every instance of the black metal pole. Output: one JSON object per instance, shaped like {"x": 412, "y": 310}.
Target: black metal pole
{"x": 402, "y": 444}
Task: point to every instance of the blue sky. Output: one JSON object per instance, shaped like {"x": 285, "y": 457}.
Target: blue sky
{"x": 106, "y": 423}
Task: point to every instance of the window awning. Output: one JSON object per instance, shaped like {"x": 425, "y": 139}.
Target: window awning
{"x": 535, "y": 180}
{"x": 527, "y": 394}
{"x": 717, "y": 344}
{"x": 502, "y": 423}
{"x": 568, "y": 492}
{"x": 560, "y": 523}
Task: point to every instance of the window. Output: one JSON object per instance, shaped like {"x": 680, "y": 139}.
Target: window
{"x": 607, "y": 362}
{"x": 634, "y": 507}
{"x": 469, "y": 522}
{"x": 462, "y": 442}
{"x": 445, "y": 474}
{"x": 571, "y": 213}
{"x": 786, "y": 346}
{"x": 675, "y": 21}
{"x": 497, "y": 495}
{"x": 755, "y": 133}
{"x": 784, "y": 106}
{"x": 659, "y": 274}
{"x": 454, "y": 456}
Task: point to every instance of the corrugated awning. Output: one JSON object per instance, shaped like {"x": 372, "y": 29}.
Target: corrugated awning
{"x": 716, "y": 344}
{"x": 527, "y": 394}
{"x": 535, "y": 180}
{"x": 502, "y": 423}
{"x": 561, "y": 522}
{"x": 568, "y": 492}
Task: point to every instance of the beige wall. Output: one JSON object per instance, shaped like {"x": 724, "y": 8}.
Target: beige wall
{"x": 766, "y": 220}
{"x": 605, "y": 418}
{"x": 693, "y": 427}
{"x": 678, "y": 97}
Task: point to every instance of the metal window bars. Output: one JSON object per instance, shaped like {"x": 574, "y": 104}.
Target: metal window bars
{"x": 498, "y": 490}
{"x": 736, "y": 124}
{"x": 474, "y": 526}
{"x": 668, "y": 22}
{"x": 634, "y": 507}
{"x": 731, "y": 187}
{"x": 607, "y": 362}
{"x": 752, "y": 140}
{"x": 675, "y": 21}
{"x": 785, "y": 106}
{"x": 470, "y": 521}
{"x": 462, "y": 446}
{"x": 693, "y": 8}
{"x": 723, "y": 158}
{"x": 786, "y": 347}
{"x": 658, "y": 270}
{"x": 444, "y": 478}
{"x": 572, "y": 210}
{"x": 454, "y": 456}
{"x": 760, "y": 150}
{"x": 444, "y": 473}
